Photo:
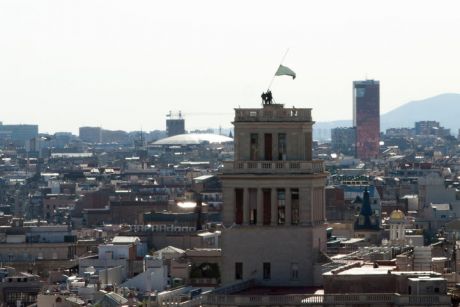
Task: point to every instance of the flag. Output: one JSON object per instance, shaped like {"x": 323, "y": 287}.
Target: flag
{"x": 285, "y": 71}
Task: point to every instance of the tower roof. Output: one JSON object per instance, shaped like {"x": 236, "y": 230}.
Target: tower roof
{"x": 367, "y": 219}
{"x": 397, "y": 215}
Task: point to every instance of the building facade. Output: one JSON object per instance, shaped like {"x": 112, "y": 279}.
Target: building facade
{"x": 90, "y": 134}
{"x": 366, "y": 118}
{"x": 343, "y": 140}
{"x": 273, "y": 195}
{"x": 19, "y": 134}
{"x": 175, "y": 124}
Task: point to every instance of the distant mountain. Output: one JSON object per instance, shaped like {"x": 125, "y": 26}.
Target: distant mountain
{"x": 444, "y": 108}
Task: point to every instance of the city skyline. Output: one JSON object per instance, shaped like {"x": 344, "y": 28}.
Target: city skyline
{"x": 125, "y": 67}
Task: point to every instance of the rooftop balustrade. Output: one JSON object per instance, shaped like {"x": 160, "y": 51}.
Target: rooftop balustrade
{"x": 389, "y": 299}
{"x": 281, "y": 167}
{"x": 273, "y": 113}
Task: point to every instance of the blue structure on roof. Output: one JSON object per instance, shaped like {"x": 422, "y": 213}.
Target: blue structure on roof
{"x": 367, "y": 220}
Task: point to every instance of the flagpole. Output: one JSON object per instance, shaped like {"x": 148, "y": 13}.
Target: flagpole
{"x": 274, "y": 75}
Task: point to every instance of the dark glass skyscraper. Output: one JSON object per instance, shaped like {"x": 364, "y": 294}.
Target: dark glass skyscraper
{"x": 366, "y": 118}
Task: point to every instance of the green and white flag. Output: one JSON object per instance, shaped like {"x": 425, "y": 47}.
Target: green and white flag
{"x": 285, "y": 71}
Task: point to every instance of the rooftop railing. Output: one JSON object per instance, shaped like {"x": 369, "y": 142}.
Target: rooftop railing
{"x": 309, "y": 167}
{"x": 326, "y": 299}
{"x": 273, "y": 113}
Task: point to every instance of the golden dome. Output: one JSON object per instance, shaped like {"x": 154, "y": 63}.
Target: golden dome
{"x": 397, "y": 215}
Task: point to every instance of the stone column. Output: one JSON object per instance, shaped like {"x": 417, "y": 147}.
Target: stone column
{"x": 392, "y": 232}
{"x": 246, "y": 206}
{"x": 228, "y": 211}
{"x": 288, "y": 209}
{"x": 305, "y": 206}
{"x": 308, "y": 146}
{"x": 260, "y": 207}
{"x": 323, "y": 204}
{"x": 274, "y": 204}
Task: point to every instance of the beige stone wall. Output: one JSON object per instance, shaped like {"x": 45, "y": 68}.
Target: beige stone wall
{"x": 310, "y": 212}
{"x": 34, "y": 251}
{"x": 298, "y": 139}
{"x": 280, "y": 246}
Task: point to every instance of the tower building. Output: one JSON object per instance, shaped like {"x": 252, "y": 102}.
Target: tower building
{"x": 90, "y": 134}
{"x": 397, "y": 227}
{"x": 273, "y": 192}
{"x": 366, "y": 118}
{"x": 175, "y": 124}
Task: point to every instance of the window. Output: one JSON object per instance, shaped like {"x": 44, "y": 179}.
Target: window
{"x": 239, "y": 206}
{"x": 254, "y": 146}
{"x": 267, "y": 204}
{"x": 253, "y": 206}
{"x": 281, "y": 198}
{"x": 294, "y": 271}
{"x": 266, "y": 270}
{"x": 253, "y": 216}
{"x": 238, "y": 270}
{"x": 360, "y": 92}
{"x": 295, "y": 215}
{"x": 268, "y": 147}
{"x": 282, "y": 146}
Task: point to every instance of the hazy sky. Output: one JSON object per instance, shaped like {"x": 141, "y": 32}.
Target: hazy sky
{"x": 125, "y": 64}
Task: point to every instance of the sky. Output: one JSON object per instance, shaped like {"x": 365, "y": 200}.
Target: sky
{"x": 126, "y": 64}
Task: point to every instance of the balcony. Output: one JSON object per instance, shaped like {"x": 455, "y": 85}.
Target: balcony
{"x": 231, "y": 295}
{"x": 273, "y": 167}
{"x": 387, "y": 299}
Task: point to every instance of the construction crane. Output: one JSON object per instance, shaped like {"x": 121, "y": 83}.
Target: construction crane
{"x": 180, "y": 114}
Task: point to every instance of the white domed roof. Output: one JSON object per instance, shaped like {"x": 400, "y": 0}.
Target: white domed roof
{"x": 193, "y": 139}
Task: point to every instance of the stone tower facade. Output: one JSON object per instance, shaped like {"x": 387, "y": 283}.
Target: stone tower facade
{"x": 274, "y": 209}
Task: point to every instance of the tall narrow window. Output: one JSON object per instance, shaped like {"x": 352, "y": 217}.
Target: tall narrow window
{"x": 239, "y": 206}
{"x": 268, "y": 147}
{"x": 254, "y": 146}
{"x": 267, "y": 270}
{"x": 281, "y": 198}
{"x": 253, "y": 206}
{"x": 282, "y": 146}
{"x": 238, "y": 270}
{"x": 267, "y": 204}
{"x": 295, "y": 215}
{"x": 294, "y": 271}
